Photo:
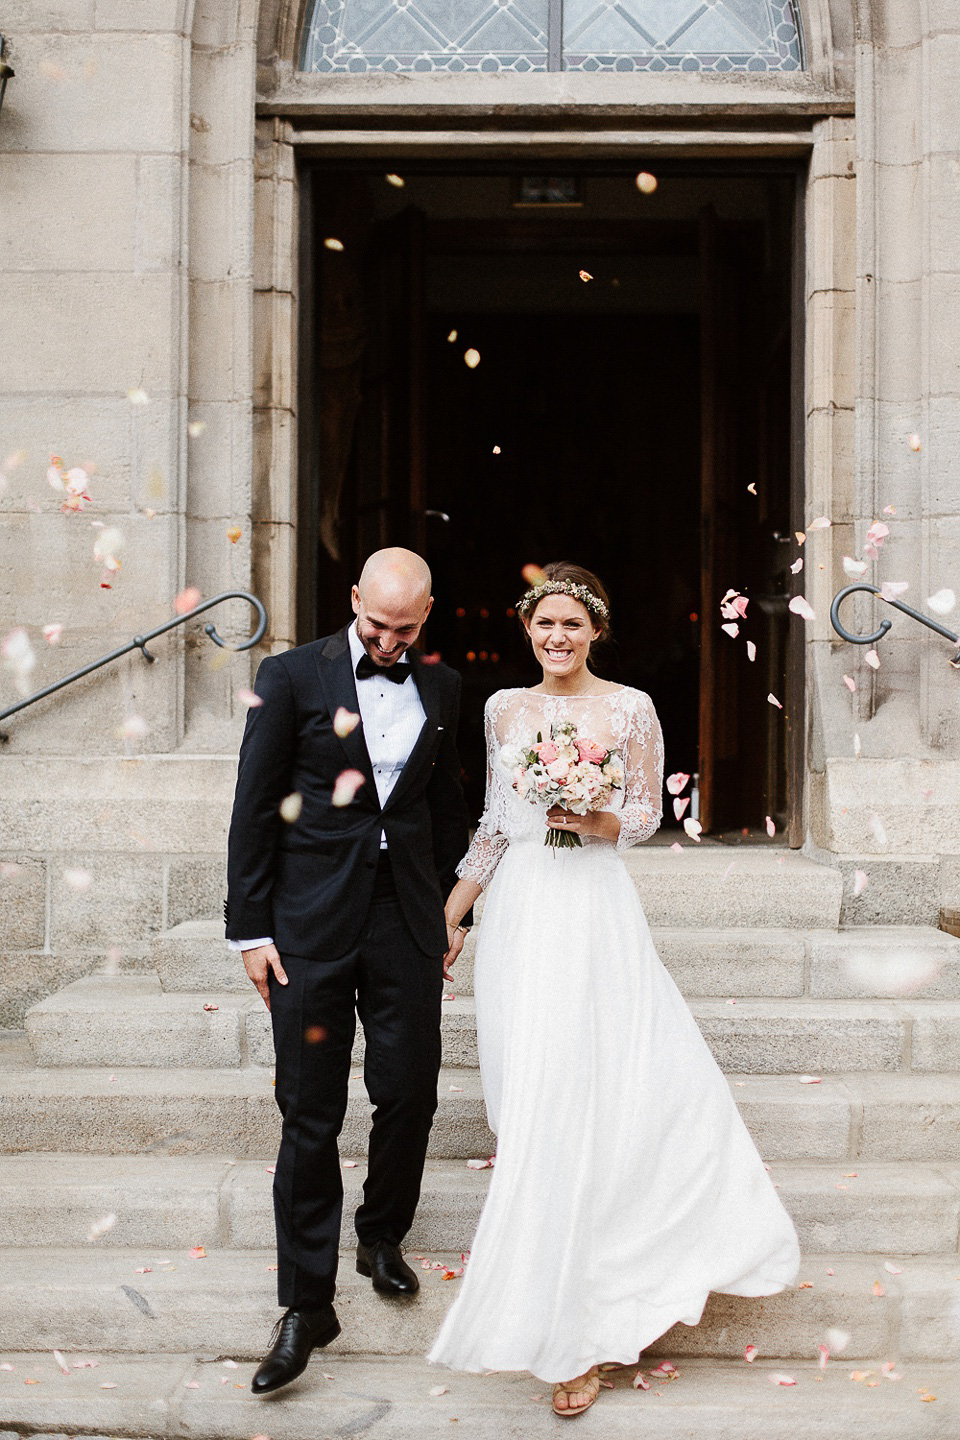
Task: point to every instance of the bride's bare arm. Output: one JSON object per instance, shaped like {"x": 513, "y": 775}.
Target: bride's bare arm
{"x": 459, "y": 901}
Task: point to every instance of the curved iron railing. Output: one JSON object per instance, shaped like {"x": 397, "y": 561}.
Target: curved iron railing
{"x": 884, "y": 625}
{"x": 140, "y": 642}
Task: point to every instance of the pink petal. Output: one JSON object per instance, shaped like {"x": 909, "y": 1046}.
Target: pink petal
{"x": 676, "y": 782}
{"x": 640, "y": 1381}
{"x": 915, "y": 442}
{"x": 821, "y": 523}
{"x": 772, "y": 699}
{"x": 345, "y": 722}
{"x": 824, "y": 1356}
{"x": 645, "y": 182}
{"x": 850, "y": 683}
{"x": 249, "y": 698}
{"x": 801, "y": 606}
{"x": 52, "y": 634}
{"x": 890, "y": 589}
{"x": 872, "y": 659}
{"x": 892, "y": 1269}
{"x": 585, "y": 275}
{"x": 290, "y": 807}
{"x": 61, "y": 1362}
{"x": 810, "y": 1080}
{"x": 797, "y": 566}
{"x": 349, "y": 1164}
{"x": 733, "y": 630}
{"x": 860, "y": 882}
{"x": 941, "y": 603}
{"x": 751, "y": 650}
{"x": 478, "y": 1164}
{"x": 346, "y": 787}
{"x": 78, "y": 879}
{"x": 693, "y": 829}
{"x": 750, "y": 1354}
{"x": 878, "y": 532}
{"x": 679, "y": 805}
{"x": 665, "y": 1368}
{"x": 677, "y": 848}
{"x": 782, "y": 1380}
{"x": 771, "y": 828}
{"x": 752, "y": 487}
{"x": 437, "y": 1390}
{"x": 854, "y": 568}
{"x": 878, "y": 1288}
{"x": 471, "y": 358}
{"x": 187, "y": 600}
{"x": 740, "y": 603}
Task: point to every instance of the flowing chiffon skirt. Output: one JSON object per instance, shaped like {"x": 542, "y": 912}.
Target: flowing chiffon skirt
{"x": 626, "y": 1185}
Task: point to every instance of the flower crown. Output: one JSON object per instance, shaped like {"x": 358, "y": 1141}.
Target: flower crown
{"x": 583, "y": 593}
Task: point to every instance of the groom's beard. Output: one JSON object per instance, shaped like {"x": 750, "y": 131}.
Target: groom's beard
{"x": 369, "y": 643}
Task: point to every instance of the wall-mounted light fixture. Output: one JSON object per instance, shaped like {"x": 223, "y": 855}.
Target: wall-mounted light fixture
{"x": 6, "y": 72}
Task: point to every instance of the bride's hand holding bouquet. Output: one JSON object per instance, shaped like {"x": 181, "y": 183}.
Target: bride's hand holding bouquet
{"x": 573, "y": 777}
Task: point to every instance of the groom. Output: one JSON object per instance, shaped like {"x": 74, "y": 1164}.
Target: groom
{"x": 338, "y": 910}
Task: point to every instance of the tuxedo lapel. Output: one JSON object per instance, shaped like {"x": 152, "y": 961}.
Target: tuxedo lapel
{"x": 335, "y": 667}
{"x": 425, "y": 679}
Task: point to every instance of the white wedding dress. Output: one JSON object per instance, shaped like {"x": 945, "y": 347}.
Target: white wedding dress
{"x": 626, "y": 1185}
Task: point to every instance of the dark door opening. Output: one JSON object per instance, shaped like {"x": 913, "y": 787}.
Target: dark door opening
{"x": 639, "y": 421}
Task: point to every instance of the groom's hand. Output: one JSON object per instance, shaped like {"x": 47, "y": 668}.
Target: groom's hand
{"x": 258, "y": 963}
{"x": 455, "y": 939}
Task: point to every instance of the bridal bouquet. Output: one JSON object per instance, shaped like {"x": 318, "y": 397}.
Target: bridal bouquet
{"x": 580, "y": 775}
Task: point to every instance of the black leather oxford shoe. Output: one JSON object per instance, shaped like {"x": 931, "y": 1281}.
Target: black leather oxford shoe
{"x": 296, "y": 1334}
{"x": 385, "y": 1266}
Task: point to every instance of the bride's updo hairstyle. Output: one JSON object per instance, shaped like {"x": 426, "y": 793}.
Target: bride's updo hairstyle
{"x": 572, "y": 578}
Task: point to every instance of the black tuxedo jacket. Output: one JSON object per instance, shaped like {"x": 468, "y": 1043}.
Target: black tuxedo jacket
{"x": 309, "y": 883}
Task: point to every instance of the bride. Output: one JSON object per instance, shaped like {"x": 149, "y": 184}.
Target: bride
{"x": 626, "y": 1185}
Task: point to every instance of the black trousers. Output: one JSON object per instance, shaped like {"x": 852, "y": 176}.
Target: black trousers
{"x": 396, "y": 990}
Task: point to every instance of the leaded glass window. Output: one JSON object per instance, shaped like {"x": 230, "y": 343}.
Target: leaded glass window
{"x": 523, "y": 35}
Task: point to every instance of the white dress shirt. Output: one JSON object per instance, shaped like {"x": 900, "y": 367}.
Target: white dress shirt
{"x": 392, "y": 716}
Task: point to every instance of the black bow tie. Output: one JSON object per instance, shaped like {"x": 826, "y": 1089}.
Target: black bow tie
{"x": 367, "y": 669}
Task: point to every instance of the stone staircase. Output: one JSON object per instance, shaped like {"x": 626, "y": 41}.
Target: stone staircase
{"x": 148, "y": 1097}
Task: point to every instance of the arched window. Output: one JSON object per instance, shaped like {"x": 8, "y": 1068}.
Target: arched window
{"x": 356, "y": 36}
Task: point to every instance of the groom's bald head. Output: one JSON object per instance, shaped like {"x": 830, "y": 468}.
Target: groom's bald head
{"x": 391, "y": 600}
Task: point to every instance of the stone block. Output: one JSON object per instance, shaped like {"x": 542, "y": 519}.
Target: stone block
{"x": 900, "y": 211}
{"x": 898, "y": 73}
{"x": 879, "y": 1209}
{"x": 908, "y": 1117}
{"x": 222, "y": 103}
{"x": 194, "y": 957}
{"x": 796, "y": 1036}
{"x": 153, "y": 16}
{"x": 129, "y": 1021}
{"x": 885, "y": 961}
{"x": 733, "y": 962}
{"x": 936, "y": 1036}
{"x": 23, "y": 16}
{"x": 91, "y": 333}
{"x": 159, "y": 231}
{"x": 196, "y": 886}
{"x": 104, "y": 805}
{"x": 59, "y": 102}
{"x": 275, "y": 361}
{"x": 23, "y": 902}
{"x": 122, "y": 900}
{"x": 831, "y": 347}
{"x": 718, "y": 887}
{"x": 221, "y": 230}
{"x": 943, "y": 375}
{"x": 274, "y": 230}
{"x": 941, "y": 64}
{"x": 79, "y": 430}
{"x": 96, "y": 203}
{"x": 930, "y": 1314}
{"x": 790, "y": 1121}
{"x": 899, "y": 340}
{"x": 899, "y": 892}
{"x": 220, "y": 329}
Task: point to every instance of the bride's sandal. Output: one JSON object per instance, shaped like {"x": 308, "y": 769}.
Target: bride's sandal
{"x": 588, "y": 1385}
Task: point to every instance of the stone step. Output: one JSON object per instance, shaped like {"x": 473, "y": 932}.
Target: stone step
{"x": 713, "y": 886}
{"x": 183, "y": 1397}
{"x": 883, "y": 961}
{"x": 129, "y": 1020}
{"x": 232, "y": 1111}
{"x": 78, "y": 1299}
{"x": 59, "y": 1200}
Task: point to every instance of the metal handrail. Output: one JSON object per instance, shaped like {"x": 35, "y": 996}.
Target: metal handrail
{"x": 140, "y": 642}
{"x": 885, "y": 625}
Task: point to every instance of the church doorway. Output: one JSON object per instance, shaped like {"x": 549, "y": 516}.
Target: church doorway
{"x": 501, "y": 369}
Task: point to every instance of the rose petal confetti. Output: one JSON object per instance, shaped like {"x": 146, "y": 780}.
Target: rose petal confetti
{"x": 854, "y": 568}
{"x": 290, "y": 807}
{"x": 249, "y": 698}
{"x": 802, "y": 607}
{"x": 234, "y": 533}
{"x": 693, "y": 828}
{"x": 878, "y": 1288}
{"x": 137, "y": 396}
{"x": 187, "y": 600}
{"x": 479, "y": 1164}
{"x": 677, "y": 848}
{"x": 850, "y": 683}
{"x": 585, "y": 275}
{"x": 892, "y": 1269}
{"x": 810, "y": 1080}
{"x": 61, "y": 1362}
{"x": 397, "y": 181}
{"x": 496, "y": 449}
{"x": 640, "y": 1381}
{"x": 860, "y": 882}
{"x": 350, "y": 1164}
{"x": 347, "y": 784}
{"x": 196, "y": 428}
{"x": 771, "y": 827}
{"x": 332, "y": 243}
{"x": 750, "y": 1354}
{"x": 100, "y": 1227}
{"x": 752, "y": 487}
{"x": 821, "y": 523}
{"x": 872, "y": 659}
{"x": 471, "y": 358}
{"x": 751, "y": 650}
{"x": 732, "y": 629}
{"x": 645, "y": 182}
{"x": 801, "y": 536}
{"x": 108, "y": 1385}
{"x": 452, "y": 337}
{"x": 878, "y": 830}
{"x": 772, "y": 700}
{"x": 679, "y": 805}
{"x": 778, "y": 1379}
{"x": 345, "y": 722}
{"x": 797, "y": 566}
{"x": 134, "y": 727}
{"x": 18, "y": 656}
{"x": 941, "y": 603}
{"x": 915, "y": 442}
{"x": 436, "y": 1390}
{"x": 211, "y": 1008}
{"x": 52, "y": 634}
{"x": 78, "y": 879}
{"x": 198, "y": 1253}
{"x": 890, "y": 589}
{"x": 676, "y": 781}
